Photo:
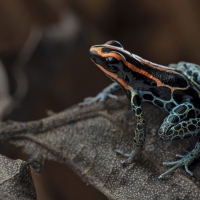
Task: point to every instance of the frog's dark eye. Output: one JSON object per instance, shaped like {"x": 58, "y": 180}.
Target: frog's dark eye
{"x": 111, "y": 60}
{"x": 114, "y": 43}
{"x": 112, "y": 64}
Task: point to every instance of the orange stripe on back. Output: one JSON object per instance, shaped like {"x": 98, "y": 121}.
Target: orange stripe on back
{"x": 131, "y": 66}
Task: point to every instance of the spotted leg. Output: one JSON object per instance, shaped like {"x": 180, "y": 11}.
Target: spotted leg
{"x": 105, "y": 93}
{"x": 182, "y": 122}
{"x": 139, "y": 137}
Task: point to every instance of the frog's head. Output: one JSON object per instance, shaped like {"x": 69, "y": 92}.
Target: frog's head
{"x": 110, "y": 58}
{"x": 107, "y": 55}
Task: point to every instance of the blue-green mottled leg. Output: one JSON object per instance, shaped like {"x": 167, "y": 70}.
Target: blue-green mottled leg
{"x": 176, "y": 124}
{"x": 185, "y": 161}
{"x": 182, "y": 122}
{"x": 105, "y": 93}
{"x": 139, "y": 137}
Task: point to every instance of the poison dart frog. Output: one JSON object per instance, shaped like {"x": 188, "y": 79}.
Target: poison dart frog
{"x": 175, "y": 89}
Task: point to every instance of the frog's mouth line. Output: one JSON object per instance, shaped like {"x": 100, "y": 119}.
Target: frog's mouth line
{"x": 114, "y": 77}
{"x": 111, "y": 78}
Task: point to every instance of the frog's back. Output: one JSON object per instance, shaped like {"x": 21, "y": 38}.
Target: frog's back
{"x": 191, "y": 72}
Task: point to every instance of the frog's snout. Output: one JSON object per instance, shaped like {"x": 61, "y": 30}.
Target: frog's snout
{"x": 94, "y": 55}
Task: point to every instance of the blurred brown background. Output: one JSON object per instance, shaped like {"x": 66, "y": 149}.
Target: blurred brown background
{"x": 44, "y": 49}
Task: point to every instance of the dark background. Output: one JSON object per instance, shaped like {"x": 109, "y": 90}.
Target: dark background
{"x": 49, "y": 40}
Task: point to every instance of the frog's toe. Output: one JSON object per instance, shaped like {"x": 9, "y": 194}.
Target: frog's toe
{"x": 188, "y": 171}
{"x": 112, "y": 96}
{"x": 124, "y": 163}
{"x": 103, "y": 96}
{"x": 171, "y": 163}
{"x": 87, "y": 100}
{"x": 129, "y": 156}
{"x": 179, "y": 156}
{"x": 184, "y": 161}
{"x": 122, "y": 153}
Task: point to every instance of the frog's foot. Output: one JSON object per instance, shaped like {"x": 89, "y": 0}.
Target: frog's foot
{"x": 184, "y": 161}
{"x": 100, "y": 97}
{"x": 129, "y": 156}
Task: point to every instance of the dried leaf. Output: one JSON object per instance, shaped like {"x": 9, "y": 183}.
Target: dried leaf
{"x": 85, "y": 139}
{"x": 15, "y": 180}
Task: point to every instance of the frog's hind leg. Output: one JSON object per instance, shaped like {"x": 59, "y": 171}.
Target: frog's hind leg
{"x": 182, "y": 122}
{"x": 184, "y": 161}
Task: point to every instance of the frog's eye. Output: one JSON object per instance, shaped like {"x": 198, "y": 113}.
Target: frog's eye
{"x": 111, "y": 60}
{"x": 112, "y": 64}
{"x": 114, "y": 43}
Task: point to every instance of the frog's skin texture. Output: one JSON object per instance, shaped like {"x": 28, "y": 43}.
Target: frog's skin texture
{"x": 174, "y": 89}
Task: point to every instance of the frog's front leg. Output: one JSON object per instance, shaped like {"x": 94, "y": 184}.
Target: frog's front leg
{"x": 105, "y": 93}
{"x": 182, "y": 122}
{"x": 140, "y": 130}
